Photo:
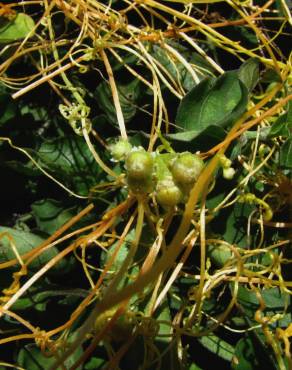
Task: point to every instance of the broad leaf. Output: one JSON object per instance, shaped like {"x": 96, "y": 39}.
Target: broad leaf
{"x": 30, "y": 357}
{"x": 249, "y": 73}
{"x": 218, "y": 346}
{"x": 247, "y": 34}
{"x": 219, "y": 254}
{"x": 272, "y": 297}
{"x": 230, "y": 223}
{"x": 8, "y": 108}
{"x": 286, "y": 154}
{"x": 128, "y": 96}
{"x": 71, "y": 161}
{"x": 195, "y": 367}
{"x": 211, "y": 133}
{"x": 281, "y": 127}
{"x": 17, "y": 29}
{"x": 24, "y": 242}
{"x": 270, "y": 76}
{"x": 95, "y": 363}
{"x": 275, "y": 302}
{"x": 252, "y": 353}
{"x": 216, "y": 102}
{"x": 245, "y": 356}
{"x": 50, "y": 215}
{"x": 39, "y": 299}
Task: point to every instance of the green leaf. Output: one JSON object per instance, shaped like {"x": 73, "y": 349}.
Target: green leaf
{"x": 229, "y": 223}
{"x": 248, "y": 73}
{"x": 195, "y": 367}
{"x": 219, "y": 254}
{"x": 216, "y": 102}
{"x": 275, "y": 302}
{"x": 95, "y": 363}
{"x": 71, "y": 161}
{"x": 24, "y": 242}
{"x": 210, "y": 133}
{"x": 272, "y": 297}
{"x": 17, "y": 29}
{"x": 270, "y": 76}
{"x": 245, "y": 357}
{"x": 286, "y": 154}
{"x": 247, "y": 35}
{"x": 119, "y": 258}
{"x": 218, "y": 346}
{"x": 39, "y": 300}
{"x": 164, "y": 329}
{"x": 8, "y": 107}
{"x": 30, "y": 357}
{"x": 128, "y": 96}
{"x": 121, "y": 255}
{"x": 27, "y": 169}
{"x": 50, "y": 215}
{"x": 281, "y": 127}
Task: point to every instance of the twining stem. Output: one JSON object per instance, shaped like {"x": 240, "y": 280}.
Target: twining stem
{"x": 133, "y": 249}
{"x": 115, "y": 95}
{"x": 47, "y": 77}
{"x": 205, "y": 29}
{"x": 199, "y": 294}
{"x": 111, "y": 291}
{"x": 97, "y": 158}
{"x": 78, "y": 97}
{"x": 259, "y": 34}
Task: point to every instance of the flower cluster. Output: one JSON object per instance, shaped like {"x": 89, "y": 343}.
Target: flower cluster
{"x": 169, "y": 176}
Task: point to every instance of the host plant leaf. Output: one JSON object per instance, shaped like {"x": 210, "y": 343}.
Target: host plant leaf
{"x": 213, "y": 102}
{"x": 20, "y": 27}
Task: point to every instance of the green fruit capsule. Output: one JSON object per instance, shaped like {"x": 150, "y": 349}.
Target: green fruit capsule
{"x": 140, "y": 186}
{"x": 139, "y": 165}
{"x": 186, "y": 168}
{"x": 168, "y": 194}
{"x": 120, "y": 149}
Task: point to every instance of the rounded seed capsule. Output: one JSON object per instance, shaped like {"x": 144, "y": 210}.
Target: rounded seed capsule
{"x": 140, "y": 186}
{"x": 139, "y": 165}
{"x": 186, "y": 168}
{"x": 168, "y": 194}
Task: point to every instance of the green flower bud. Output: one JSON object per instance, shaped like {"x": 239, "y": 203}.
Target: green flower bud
{"x": 168, "y": 194}
{"x": 120, "y": 149}
{"x": 224, "y": 161}
{"x": 139, "y": 165}
{"x": 228, "y": 173}
{"x": 186, "y": 168}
